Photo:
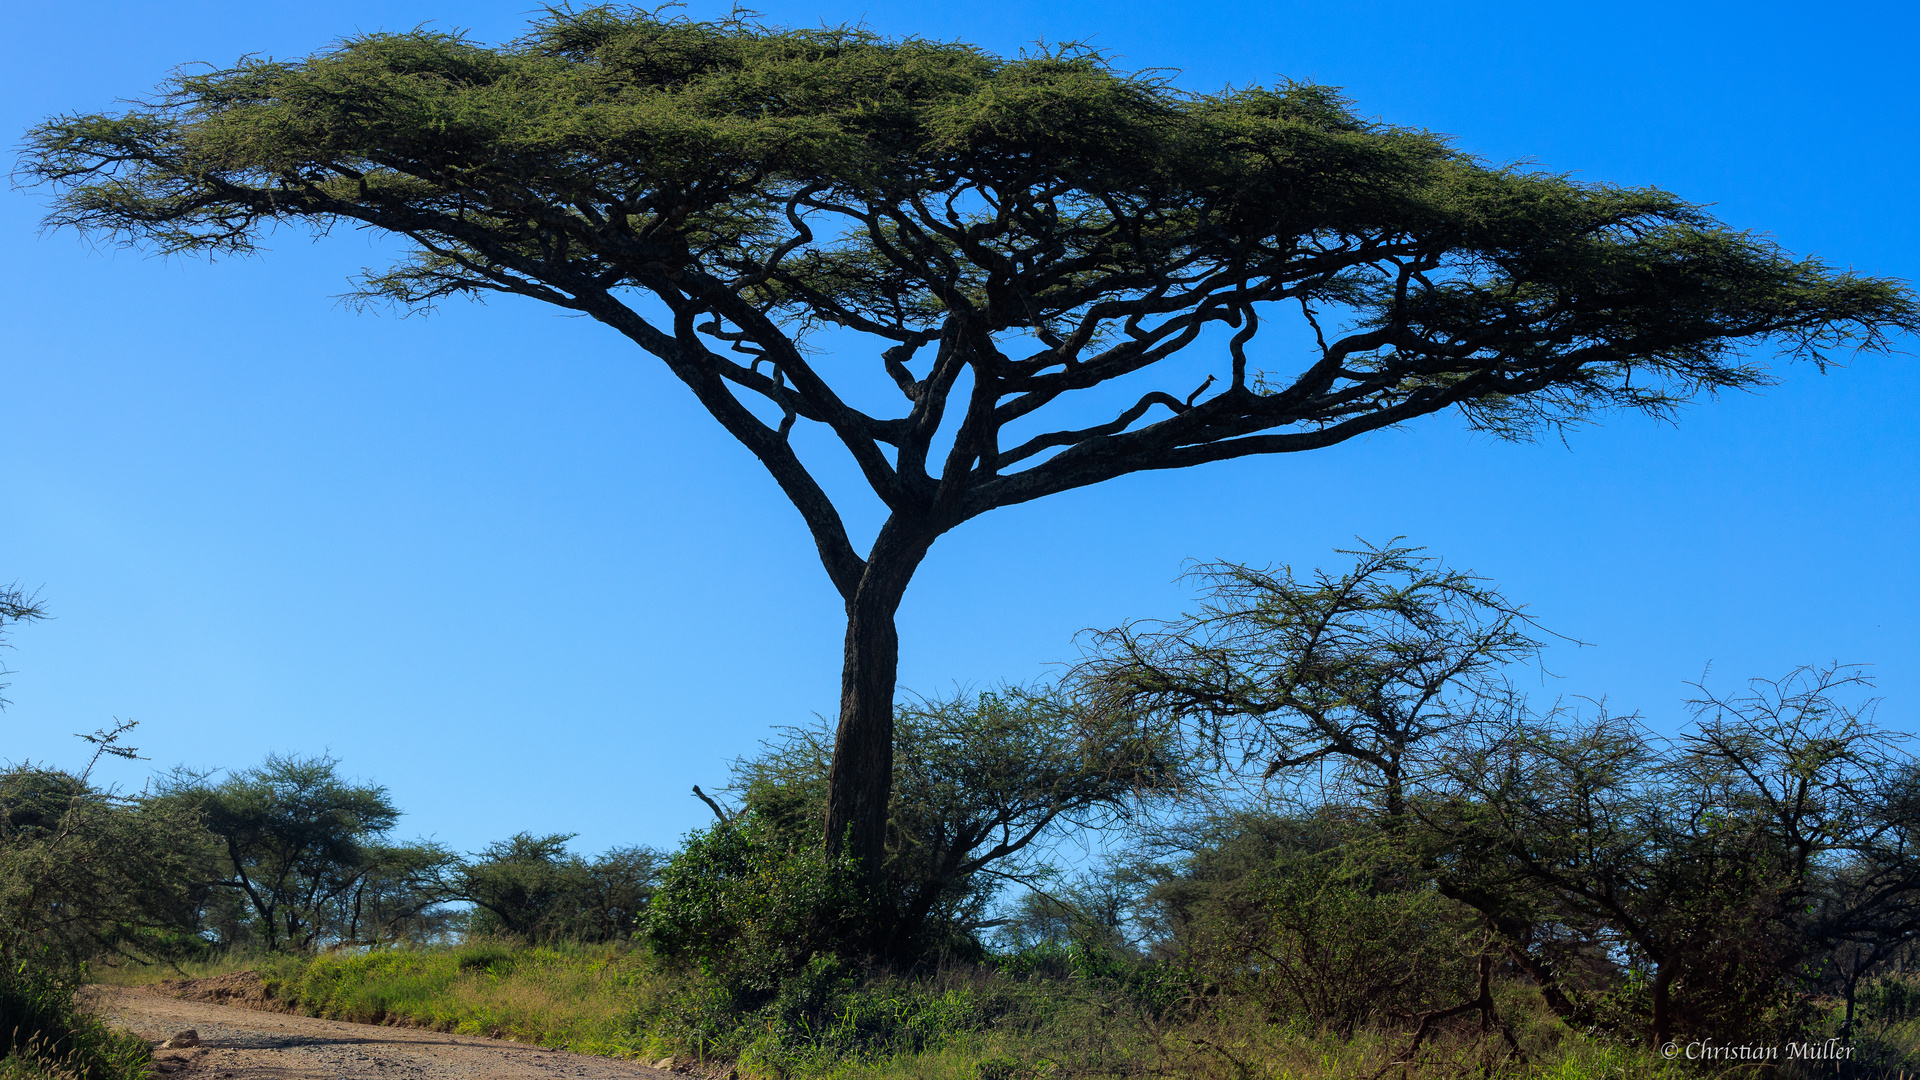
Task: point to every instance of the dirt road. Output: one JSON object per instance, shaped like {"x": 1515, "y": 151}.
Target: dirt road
{"x": 243, "y": 1044}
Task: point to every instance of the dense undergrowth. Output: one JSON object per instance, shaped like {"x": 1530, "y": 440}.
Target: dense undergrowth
{"x": 1055, "y": 1012}
{"x": 44, "y": 1035}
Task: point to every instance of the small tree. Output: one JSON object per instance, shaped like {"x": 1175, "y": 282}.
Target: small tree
{"x": 1021, "y": 245}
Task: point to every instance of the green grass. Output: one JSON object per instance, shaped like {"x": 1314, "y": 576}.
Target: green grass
{"x": 578, "y": 999}
{"x": 963, "y": 1023}
{"x": 45, "y": 1035}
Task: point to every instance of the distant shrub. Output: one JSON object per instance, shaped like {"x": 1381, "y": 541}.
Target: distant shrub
{"x": 531, "y": 888}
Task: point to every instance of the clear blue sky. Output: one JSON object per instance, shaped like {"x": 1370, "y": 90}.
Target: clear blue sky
{"x": 496, "y": 560}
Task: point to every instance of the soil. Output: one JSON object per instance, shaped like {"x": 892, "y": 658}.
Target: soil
{"x": 245, "y": 1035}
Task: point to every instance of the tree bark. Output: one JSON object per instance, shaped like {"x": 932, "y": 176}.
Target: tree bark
{"x": 860, "y": 781}
{"x": 1663, "y": 1002}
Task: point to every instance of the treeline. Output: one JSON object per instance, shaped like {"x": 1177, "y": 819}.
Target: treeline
{"x": 285, "y": 856}
{"x": 291, "y": 856}
{"x": 1321, "y": 799}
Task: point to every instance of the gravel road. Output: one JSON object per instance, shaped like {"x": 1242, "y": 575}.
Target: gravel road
{"x": 242, "y": 1044}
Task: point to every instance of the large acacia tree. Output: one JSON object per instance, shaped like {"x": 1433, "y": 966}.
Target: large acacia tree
{"x": 1023, "y": 243}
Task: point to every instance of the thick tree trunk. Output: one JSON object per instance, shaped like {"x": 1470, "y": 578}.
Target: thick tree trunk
{"x": 1663, "y": 1003}
{"x": 861, "y": 778}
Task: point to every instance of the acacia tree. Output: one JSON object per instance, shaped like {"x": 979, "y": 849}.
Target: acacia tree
{"x": 1719, "y": 865}
{"x": 1024, "y": 242}
{"x": 299, "y": 840}
{"x": 1369, "y": 679}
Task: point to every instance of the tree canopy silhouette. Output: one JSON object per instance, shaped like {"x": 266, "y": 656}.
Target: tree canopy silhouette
{"x": 1022, "y": 242}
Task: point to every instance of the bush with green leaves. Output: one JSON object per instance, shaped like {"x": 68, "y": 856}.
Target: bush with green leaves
{"x": 44, "y": 1036}
{"x": 825, "y": 1016}
{"x": 1686, "y": 887}
{"x": 745, "y": 906}
{"x": 86, "y": 872}
{"x": 1314, "y": 920}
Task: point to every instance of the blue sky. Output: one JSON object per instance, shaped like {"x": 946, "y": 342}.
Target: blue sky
{"x": 496, "y": 560}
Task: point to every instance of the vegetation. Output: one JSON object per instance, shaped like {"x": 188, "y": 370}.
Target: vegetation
{"x": 84, "y": 874}
{"x": 1326, "y": 835}
{"x": 48, "y": 1037}
{"x": 530, "y": 888}
{"x": 305, "y": 858}
{"x": 1341, "y": 843}
{"x": 1036, "y": 230}
{"x": 982, "y": 782}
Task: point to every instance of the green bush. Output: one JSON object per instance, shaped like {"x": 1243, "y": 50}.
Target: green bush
{"x": 1292, "y": 915}
{"x": 43, "y": 1033}
{"x": 749, "y": 912}
{"x": 822, "y": 1017}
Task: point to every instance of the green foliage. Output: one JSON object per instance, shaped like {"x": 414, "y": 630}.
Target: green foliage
{"x": 1719, "y": 866}
{"x": 307, "y": 861}
{"x": 820, "y": 1021}
{"x": 533, "y": 889}
{"x": 1891, "y": 998}
{"x": 44, "y": 1036}
{"x": 980, "y": 784}
{"x": 834, "y": 1021}
{"x": 1650, "y": 887}
{"x": 747, "y": 909}
{"x": 1314, "y": 920}
{"x": 697, "y": 140}
{"x": 85, "y": 872}
{"x": 1316, "y": 939}
{"x": 1362, "y": 686}
{"x": 337, "y": 986}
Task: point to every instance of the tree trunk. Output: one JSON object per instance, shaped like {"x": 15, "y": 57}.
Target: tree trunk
{"x": 861, "y": 778}
{"x": 1663, "y": 1003}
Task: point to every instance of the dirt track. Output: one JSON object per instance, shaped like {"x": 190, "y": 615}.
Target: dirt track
{"x": 244, "y": 1044}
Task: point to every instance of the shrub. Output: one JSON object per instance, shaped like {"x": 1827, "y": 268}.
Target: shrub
{"x": 982, "y": 784}
{"x": 1309, "y": 921}
{"x": 86, "y": 872}
{"x": 43, "y": 1033}
{"x": 743, "y": 908}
